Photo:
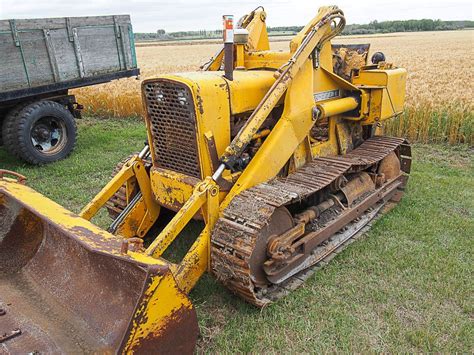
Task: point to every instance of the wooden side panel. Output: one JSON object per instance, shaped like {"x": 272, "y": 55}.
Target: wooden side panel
{"x": 99, "y": 57}
{"x": 12, "y": 73}
{"x": 36, "y": 57}
{"x": 64, "y": 55}
{"x": 39, "y": 52}
{"x": 60, "y": 22}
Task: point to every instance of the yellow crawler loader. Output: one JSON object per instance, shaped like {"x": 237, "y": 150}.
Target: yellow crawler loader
{"x": 279, "y": 153}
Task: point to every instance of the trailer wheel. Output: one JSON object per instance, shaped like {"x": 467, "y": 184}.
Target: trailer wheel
{"x": 8, "y": 124}
{"x": 40, "y": 133}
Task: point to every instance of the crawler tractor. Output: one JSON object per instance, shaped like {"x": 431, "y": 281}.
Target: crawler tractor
{"x": 280, "y": 154}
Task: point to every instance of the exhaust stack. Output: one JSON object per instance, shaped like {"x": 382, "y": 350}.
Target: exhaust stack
{"x": 228, "y": 34}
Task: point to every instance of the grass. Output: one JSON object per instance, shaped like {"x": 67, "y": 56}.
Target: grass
{"x": 405, "y": 287}
{"x": 452, "y": 123}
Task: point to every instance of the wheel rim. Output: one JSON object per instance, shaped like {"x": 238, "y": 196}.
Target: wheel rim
{"x": 48, "y": 135}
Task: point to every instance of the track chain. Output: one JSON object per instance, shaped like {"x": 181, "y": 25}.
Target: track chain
{"x": 237, "y": 230}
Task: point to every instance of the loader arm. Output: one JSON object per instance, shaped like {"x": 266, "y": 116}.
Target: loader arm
{"x": 319, "y": 30}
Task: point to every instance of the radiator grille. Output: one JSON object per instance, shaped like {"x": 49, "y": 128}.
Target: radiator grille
{"x": 173, "y": 124}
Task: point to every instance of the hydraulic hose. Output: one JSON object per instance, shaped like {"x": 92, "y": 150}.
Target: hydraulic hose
{"x": 310, "y": 41}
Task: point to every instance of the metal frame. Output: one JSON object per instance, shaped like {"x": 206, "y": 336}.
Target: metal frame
{"x": 6, "y": 97}
{"x": 205, "y": 197}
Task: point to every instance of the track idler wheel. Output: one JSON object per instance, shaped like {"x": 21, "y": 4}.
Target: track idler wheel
{"x": 280, "y": 222}
{"x": 390, "y": 167}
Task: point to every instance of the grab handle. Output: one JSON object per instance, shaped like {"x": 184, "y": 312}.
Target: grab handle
{"x": 21, "y": 179}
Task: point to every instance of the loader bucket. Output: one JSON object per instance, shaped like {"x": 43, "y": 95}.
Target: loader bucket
{"x": 65, "y": 286}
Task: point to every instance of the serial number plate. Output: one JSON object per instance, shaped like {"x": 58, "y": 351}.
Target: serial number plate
{"x": 326, "y": 95}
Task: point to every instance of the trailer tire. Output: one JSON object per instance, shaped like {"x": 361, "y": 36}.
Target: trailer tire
{"x": 39, "y": 133}
{"x": 8, "y": 124}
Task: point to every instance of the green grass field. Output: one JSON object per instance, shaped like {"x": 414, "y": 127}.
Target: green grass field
{"x": 407, "y": 286}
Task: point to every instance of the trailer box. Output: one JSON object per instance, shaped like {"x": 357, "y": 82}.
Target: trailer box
{"x": 40, "y": 60}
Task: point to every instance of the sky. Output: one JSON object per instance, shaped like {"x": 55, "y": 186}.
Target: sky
{"x": 178, "y": 15}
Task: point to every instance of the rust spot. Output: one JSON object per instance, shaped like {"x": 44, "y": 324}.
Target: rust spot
{"x": 173, "y": 131}
{"x": 199, "y": 103}
{"x": 179, "y": 336}
{"x": 20, "y": 238}
{"x": 63, "y": 285}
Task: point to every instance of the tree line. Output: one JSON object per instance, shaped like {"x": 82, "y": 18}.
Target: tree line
{"x": 372, "y": 27}
{"x": 407, "y": 26}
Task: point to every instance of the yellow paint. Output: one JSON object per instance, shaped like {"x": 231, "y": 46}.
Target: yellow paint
{"x": 49, "y": 210}
{"x": 301, "y": 155}
{"x": 181, "y": 219}
{"x": 108, "y": 190}
{"x": 171, "y": 189}
{"x": 265, "y": 59}
{"x": 212, "y": 108}
{"x": 298, "y": 38}
{"x": 292, "y": 128}
{"x": 258, "y": 36}
{"x": 387, "y": 91}
{"x": 376, "y": 93}
{"x": 344, "y": 140}
{"x": 65, "y": 220}
{"x": 248, "y": 88}
{"x": 144, "y": 214}
{"x": 329, "y": 147}
{"x": 337, "y": 106}
{"x": 162, "y": 300}
{"x": 258, "y": 41}
{"x": 137, "y": 222}
{"x": 239, "y": 60}
{"x": 195, "y": 262}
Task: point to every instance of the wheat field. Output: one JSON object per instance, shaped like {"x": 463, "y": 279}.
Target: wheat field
{"x": 439, "y": 105}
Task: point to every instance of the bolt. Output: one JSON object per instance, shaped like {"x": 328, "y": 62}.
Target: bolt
{"x": 316, "y": 113}
{"x": 124, "y": 247}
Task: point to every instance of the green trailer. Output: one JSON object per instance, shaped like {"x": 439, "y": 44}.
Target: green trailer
{"x": 40, "y": 61}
